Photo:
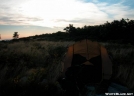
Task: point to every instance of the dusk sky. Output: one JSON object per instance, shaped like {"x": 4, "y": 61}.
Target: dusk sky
{"x": 34, "y": 17}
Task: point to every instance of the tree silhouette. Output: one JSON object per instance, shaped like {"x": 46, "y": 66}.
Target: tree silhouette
{"x": 71, "y": 30}
{"x": 117, "y": 30}
{"x": 15, "y": 35}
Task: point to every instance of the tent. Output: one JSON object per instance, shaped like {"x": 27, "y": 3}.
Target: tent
{"x": 90, "y": 51}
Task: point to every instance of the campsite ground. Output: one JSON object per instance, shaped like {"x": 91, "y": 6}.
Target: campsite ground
{"x": 34, "y": 66}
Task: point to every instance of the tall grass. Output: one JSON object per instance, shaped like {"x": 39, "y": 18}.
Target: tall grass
{"x": 123, "y": 63}
{"x": 24, "y": 65}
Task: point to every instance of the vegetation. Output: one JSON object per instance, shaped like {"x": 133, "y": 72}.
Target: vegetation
{"x": 31, "y": 66}
{"x": 117, "y": 31}
{"x": 34, "y": 67}
{"x": 15, "y": 35}
{"x": 28, "y": 65}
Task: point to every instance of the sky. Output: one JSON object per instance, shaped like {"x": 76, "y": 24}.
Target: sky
{"x": 35, "y": 17}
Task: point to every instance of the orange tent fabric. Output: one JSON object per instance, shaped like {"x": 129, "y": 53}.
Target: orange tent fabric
{"x": 89, "y": 49}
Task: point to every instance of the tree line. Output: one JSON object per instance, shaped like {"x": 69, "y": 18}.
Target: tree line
{"x": 119, "y": 31}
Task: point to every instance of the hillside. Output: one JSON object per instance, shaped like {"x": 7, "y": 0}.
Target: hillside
{"x": 117, "y": 31}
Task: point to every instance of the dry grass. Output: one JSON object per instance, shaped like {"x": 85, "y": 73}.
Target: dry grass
{"x": 38, "y": 62}
{"x": 123, "y": 63}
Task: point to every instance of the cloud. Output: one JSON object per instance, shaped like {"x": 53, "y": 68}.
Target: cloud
{"x": 18, "y": 20}
{"x": 117, "y": 11}
{"x": 60, "y": 13}
{"x": 7, "y": 21}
